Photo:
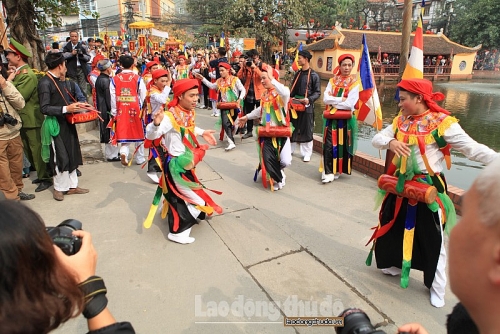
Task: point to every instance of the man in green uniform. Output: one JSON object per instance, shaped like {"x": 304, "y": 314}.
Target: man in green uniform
{"x": 26, "y": 82}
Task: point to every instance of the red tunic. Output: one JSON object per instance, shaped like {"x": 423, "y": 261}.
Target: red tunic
{"x": 129, "y": 126}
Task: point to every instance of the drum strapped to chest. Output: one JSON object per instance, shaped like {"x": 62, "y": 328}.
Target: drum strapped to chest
{"x": 413, "y": 189}
{"x": 275, "y": 131}
{"x": 82, "y": 117}
{"x": 333, "y": 113}
{"x": 294, "y": 103}
{"x": 297, "y": 105}
{"x": 227, "y": 105}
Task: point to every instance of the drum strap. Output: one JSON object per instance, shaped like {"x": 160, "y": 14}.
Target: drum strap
{"x": 62, "y": 95}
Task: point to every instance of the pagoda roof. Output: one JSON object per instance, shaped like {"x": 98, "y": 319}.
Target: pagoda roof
{"x": 389, "y": 42}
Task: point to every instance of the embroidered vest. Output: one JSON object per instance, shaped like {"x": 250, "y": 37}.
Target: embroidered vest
{"x": 127, "y": 92}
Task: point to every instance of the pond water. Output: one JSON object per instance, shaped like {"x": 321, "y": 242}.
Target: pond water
{"x": 475, "y": 103}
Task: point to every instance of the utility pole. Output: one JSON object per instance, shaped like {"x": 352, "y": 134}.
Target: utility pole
{"x": 405, "y": 40}
{"x": 143, "y": 2}
{"x": 129, "y": 15}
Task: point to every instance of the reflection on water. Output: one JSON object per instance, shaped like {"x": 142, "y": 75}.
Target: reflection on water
{"x": 475, "y": 104}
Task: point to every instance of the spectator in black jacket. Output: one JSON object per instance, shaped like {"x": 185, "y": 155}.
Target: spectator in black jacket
{"x": 77, "y": 57}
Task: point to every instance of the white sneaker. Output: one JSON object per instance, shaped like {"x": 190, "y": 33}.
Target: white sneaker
{"x": 337, "y": 176}
{"x": 307, "y": 159}
{"x": 393, "y": 271}
{"x": 212, "y": 114}
{"x": 278, "y": 185}
{"x": 140, "y": 162}
{"x": 202, "y": 106}
{"x": 329, "y": 178}
{"x": 217, "y": 114}
{"x": 181, "y": 238}
{"x": 436, "y": 300}
{"x": 230, "y": 145}
{"x": 283, "y": 180}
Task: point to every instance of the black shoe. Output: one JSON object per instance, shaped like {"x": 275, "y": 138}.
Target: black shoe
{"x": 36, "y": 181}
{"x": 25, "y": 197}
{"x": 43, "y": 185}
{"x": 113, "y": 159}
{"x": 78, "y": 173}
{"x": 247, "y": 135}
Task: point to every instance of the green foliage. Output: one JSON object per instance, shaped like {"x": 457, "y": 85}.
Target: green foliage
{"x": 52, "y": 10}
{"x": 476, "y": 22}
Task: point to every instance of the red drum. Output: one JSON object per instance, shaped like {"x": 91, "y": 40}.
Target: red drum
{"x": 227, "y": 105}
{"x": 337, "y": 114}
{"x": 275, "y": 131}
{"x": 82, "y": 117}
{"x": 414, "y": 190}
{"x": 297, "y": 105}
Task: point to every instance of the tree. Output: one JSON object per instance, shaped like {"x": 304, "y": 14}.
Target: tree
{"x": 476, "y": 22}
{"x": 24, "y": 17}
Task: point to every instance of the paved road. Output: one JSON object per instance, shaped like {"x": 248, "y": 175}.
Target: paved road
{"x": 298, "y": 251}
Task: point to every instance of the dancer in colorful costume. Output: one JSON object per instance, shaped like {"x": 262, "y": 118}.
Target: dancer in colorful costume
{"x": 274, "y": 130}
{"x": 410, "y": 232}
{"x": 230, "y": 89}
{"x": 156, "y": 100}
{"x": 127, "y": 91}
{"x": 182, "y": 70}
{"x": 185, "y": 200}
{"x": 147, "y": 75}
{"x": 340, "y": 127}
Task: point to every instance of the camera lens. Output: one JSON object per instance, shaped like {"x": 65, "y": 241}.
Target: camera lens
{"x": 249, "y": 62}
{"x": 356, "y": 322}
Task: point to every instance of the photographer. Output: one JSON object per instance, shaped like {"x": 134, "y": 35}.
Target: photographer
{"x": 11, "y": 145}
{"x": 77, "y": 57}
{"x": 41, "y": 287}
{"x": 250, "y": 75}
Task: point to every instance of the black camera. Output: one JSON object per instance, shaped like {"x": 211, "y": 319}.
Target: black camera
{"x": 357, "y": 322}
{"x": 62, "y": 236}
{"x": 235, "y": 66}
{"x": 249, "y": 62}
{"x": 7, "y": 119}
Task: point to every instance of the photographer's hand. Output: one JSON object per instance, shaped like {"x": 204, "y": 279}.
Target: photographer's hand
{"x": 3, "y": 82}
{"x": 81, "y": 265}
{"x": 412, "y": 328}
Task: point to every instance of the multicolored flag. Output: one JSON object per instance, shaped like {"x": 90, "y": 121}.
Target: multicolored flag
{"x": 295, "y": 65}
{"x": 415, "y": 66}
{"x": 222, "y": 40}
{"x": 369, "y": 109}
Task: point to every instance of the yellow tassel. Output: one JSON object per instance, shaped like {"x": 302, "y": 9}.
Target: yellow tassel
{"x": 275, "y": 144}
{"x": 294, "y": 113}
{"x": 321, "y": 168}
{"x": 427, "y": 166}
{"x": 151, "y": 215}
{"x": 402, "y": 168}
{"x": 164, "y": 209}
{"x": 447, "y": 158}
{"x": 335, "y": 166}
{"x": 341, "y": 137}
{"x": 349, "y": 165}
{"x": 207, "y": 209}
{"x": 408, "y": 244}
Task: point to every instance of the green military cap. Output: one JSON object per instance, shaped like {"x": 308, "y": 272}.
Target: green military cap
{"x": 18, "y": 48}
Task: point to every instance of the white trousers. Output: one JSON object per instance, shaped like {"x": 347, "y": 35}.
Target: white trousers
{"x": 439, "y": 283}
{"x": 65, "y": 180}
{"x": 192, "y": 196}
{"x": 111, "y": 151}
{"x": 286, "y": 154}
{"x": 139, "y": 156}
{"x": 306, "y": 149}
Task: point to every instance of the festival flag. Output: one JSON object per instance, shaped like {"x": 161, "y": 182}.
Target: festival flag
{"x": 222, "y": 40}
{"x": 369, "y": 109}
{"x": 415, "y": 66}
{"x": 295, "y": 65}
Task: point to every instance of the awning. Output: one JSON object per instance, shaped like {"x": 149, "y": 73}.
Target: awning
{"x": 141, "y": 25}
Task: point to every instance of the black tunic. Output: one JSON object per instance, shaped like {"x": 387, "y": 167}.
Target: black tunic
{"x": 67, "y": 146}
{"x": 304, "y": 124}
{"x": 103, "y": 101}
